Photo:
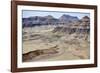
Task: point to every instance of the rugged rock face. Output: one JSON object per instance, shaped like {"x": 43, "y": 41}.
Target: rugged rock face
{"x": 70, "y": 30}
{"x": 85, "y": 22}
{"x": 81, "y": 26}
{"x": 48, "y": 20}
{"x": 70, "y": 24}
{"x": 38, "y": 54}
{"x": 81, "y": 29}
{"x": 67, "y": 18}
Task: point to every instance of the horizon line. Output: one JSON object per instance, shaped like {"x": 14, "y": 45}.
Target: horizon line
{"x": 55, "y": 14}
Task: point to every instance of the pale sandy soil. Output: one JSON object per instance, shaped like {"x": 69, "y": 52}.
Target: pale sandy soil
{"x": 71, "y": 48}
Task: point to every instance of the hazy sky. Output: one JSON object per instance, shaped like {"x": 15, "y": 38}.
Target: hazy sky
{"x": 55, "y": 14}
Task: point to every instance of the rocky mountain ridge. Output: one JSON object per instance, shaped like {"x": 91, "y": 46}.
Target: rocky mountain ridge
{"x": 65, "y": 24}
{"x": 49, "y": 20}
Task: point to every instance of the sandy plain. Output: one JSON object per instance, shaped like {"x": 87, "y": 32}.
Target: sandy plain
{"x": 39, "y": 38}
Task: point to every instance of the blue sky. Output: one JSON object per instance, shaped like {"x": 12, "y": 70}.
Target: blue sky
{"x": 55, "y": 14}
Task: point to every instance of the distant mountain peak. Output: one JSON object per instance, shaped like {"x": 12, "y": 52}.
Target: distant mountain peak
{"x": 49, "y": 16}
{"x": 64, "y": 16}
{"x": 85, "y": 18}
{"x": 68, "y": 18}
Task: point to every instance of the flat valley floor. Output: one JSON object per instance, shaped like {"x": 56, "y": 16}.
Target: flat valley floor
{"x": 45, "y": 44}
